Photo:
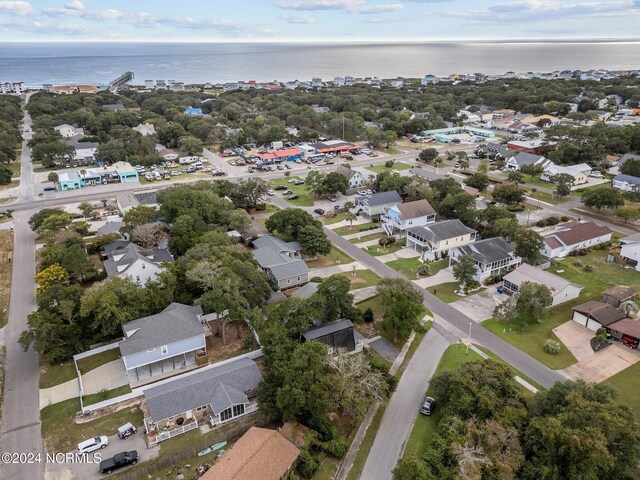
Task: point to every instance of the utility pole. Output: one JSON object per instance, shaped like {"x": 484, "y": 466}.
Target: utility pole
{"x": 343, "y": 136}
{"x": 468, "y": 339}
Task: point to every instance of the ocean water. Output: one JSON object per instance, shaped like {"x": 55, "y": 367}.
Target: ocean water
{"x": 97, "y": 63}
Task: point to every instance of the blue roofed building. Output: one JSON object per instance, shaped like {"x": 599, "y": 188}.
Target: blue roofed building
{"x": 193, "y": 111}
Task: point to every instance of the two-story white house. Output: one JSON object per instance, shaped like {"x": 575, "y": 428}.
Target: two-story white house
{"x": 628, "y": 251}
{"x": 580, "y": 172}
{"x": 570, "y": 236}
{"x": 517, "y": 161}
{"x": 626, "y": 183}
{"x": 123, "y": 258}
{"x": 403, "y": 216}
{"x": 373, "y": 205}
{"x": 68, "y": 131}
{"x": 439, "y": 238}
{"x": 491, "y": 257}
{"x": 355, "y": 178}
{"x": 162, "y": 343}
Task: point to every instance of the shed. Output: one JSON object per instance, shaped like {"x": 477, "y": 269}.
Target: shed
{"x": 337, "y": 335}
{"x": 616, "y": 295}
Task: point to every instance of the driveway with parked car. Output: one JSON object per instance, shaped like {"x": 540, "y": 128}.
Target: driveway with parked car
{"x": 90, "y": 471}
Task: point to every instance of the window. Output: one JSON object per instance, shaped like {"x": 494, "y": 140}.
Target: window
{"x": 151, "y": 350}
{"x": 288, "y": 281}
{"x": 299, "y": 278}
{"x": 204, "y": 407}
{"x": 238, "y": 410}
{"x": 164, "y": 349}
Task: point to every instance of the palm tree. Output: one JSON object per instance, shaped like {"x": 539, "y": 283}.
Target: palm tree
{"x": 351, "y": 217}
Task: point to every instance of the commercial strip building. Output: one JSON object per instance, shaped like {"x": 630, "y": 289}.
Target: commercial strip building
{"x": 479, "y": 132}
{"x": 119, "y": 172}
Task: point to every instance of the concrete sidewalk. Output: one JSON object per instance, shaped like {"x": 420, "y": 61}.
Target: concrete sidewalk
{"x": 443, "y": 276}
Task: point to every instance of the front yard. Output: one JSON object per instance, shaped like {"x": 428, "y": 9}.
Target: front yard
{"x": 626, "y": 383}
{"x": 396, "y": 166}
{"x": 51, "y": 375}
{"x": 94, "y": 361}
{"x": 61, "y": 433}
{"x": 351, "y": 229}
{"x": 361, "y": 279}
{"x": 305, "y": 198}
{"x": 409, "y": 266}
{"x": 447, "y": 291}
{"x": 334, "y": 257}
{"x": 377, "y": 250}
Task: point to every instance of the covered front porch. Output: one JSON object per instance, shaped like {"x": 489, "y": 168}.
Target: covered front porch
{"x": 164, "y": 368}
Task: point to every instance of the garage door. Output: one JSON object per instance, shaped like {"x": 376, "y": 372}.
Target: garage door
{"x": 593, "y": 325}
{"x": 580, "y": 318}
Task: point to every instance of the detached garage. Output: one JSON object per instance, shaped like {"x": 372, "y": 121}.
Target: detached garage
{"x": 594, "y": 315}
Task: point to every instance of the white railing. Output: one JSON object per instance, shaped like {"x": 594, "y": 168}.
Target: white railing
{"x": 177, "y": 431}
{"x": 214, "y": 421}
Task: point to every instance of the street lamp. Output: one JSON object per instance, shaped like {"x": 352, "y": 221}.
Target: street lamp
{"x": 468, "y": 339}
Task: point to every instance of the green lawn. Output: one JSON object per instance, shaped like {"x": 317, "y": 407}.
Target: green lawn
{"x": 578, "y": 193}
{"x": 94, "y": 361}
{"x": 549, "y": 198}
{"x": 408, "y": 267}
{"x": 361, "y": 279}
{"x": 391, "y": 151}
{"x": 396, "y": 166}
{"x": 15, "y": 168}
{"x": 446, "y": 291}
{"x": 377, "y": 250}
{"x": 425, "y": 426}
{"x": 365, "y": 446}
{"x": 62, "y": 434}
{"x": 414, "y": 345}
{"x": 531, "y": 340}
{"x": 366, "y": 238}
{"x": 335, "y": 257}
{"x": 603, "y": 276}
{"x": 626, "y": 383}
{"x": 6, "y": 269}
{"x": 335, "y": 219}
{"x": 13, "y": 183}
{"x": 51, "y": 375}
{"x": 326, "y": 471}
{"x": 106, "y": 395}
{"x": 305, "y": 200}
{"x": 348, "y": 229}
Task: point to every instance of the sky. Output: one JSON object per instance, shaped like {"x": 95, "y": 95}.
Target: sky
{"x": 315, "y": 20}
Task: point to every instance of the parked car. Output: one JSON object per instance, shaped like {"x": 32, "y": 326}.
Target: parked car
{"x": 49, "y": 189}
{"x": 294, "y": 197}
{"x": 280, "y": 187}
{"x": 270, "y": 192}
{"x": 456, "y": 165}
{"x": 287, "y": 192}
{"x": 92, "y": 444}
{"x": 119, "y": 460}
{"x": 427, "y": 405}
{"x": 332, "y": 198}
{"x": 337, "y": 207}
{"x": 596, "y": 174}
{"x": 126, "y": 430}
{"x": 319, "y": 211}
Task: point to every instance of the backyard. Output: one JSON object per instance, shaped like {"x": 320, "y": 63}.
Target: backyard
{"x": 305, "y": 198}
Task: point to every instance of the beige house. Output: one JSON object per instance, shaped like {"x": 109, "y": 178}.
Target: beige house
{"x": 561, "y": 289}
{"x": 436, "y": 239}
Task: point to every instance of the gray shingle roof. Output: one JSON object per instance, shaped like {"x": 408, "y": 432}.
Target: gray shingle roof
{"x": 628, "y": 156}
{"x": 381, "y": 198}
{"x": 109, "y": 227}
{"x": 488, "y": 250}
{"x": 524, "y": 158}
{"x": 442, "y": 230}
{"x": 220, "y": 387}
{"x": 176, "y": 322}
{"x": 627, "y": 178}
{"x": 427, "y": 174}
{"x": 529, "y": 273}
{"x": 130, "y": 253}
{"x": 291, "y": 269}
{"x": 306, "y": 291}
{"x": 271, "y": 253}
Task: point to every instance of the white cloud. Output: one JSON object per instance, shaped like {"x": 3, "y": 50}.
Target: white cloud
{"x": 381, "y": 8}
{"x": 320, "y": 4}
{"x": 302, "y": 18}
{"x": 74, "y": 5}
{"x": 17, "y": 8}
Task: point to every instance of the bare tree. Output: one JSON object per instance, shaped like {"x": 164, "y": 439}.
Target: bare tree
{"x": 148, "y": 235}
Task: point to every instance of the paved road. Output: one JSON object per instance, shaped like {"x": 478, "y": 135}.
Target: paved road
{"x": 449, "y": 315}
{"x": 20, "y": 431}
{"x": 403, "y": 406}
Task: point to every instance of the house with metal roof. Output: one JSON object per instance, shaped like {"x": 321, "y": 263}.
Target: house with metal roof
{"x": 215, "y": 395}
{"x": 163, "y": 343}
{"x": 561, "y": 289}
{"x": 626, "y": 183}
{"x": 402, "y": 216}
{"x": 436, "y": 239}
{"x": 259, "y": 454}
{"x": 281, "y": 261}
{"x": 580, "y": 173}
{"x": 124, "y": 258}
{"x": 338, "y": 336}
{"x": 491, "y": 256}
{"x": 373, "y": 205}
{"x": 567, "y": 237}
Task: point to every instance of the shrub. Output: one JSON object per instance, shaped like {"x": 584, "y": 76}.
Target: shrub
{"x": 389, "y": 163}
{"x": 553, "y": 220}
{"x": 516, "y": 208}
{"x": 386, "y": 241}
{"x": 565, "y": 218}
{"x": 588, "y": 268}
{"x": 423, "y": 270}
{"x": 552, "y": 347}
{"x": 524, "y": 326}
{"x": 316, "y": 279}
{"x": 582, "y": 252}
{"x": 367, "y": 316}
{"x": 336, "y": 446}
{"x": 307, "y": 464}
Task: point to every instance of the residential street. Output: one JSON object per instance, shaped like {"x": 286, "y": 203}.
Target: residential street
{"x": 20, "y": 432}
{"x": 403, "y": 406}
